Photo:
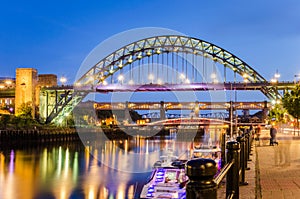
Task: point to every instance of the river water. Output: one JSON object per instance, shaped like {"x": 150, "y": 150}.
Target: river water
{"x": 114, "y": 169}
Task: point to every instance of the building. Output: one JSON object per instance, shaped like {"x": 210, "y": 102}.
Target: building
{"x": 23, "y": 89}
{"x": 7, "y": 95}
{"x": 26, "y": 82}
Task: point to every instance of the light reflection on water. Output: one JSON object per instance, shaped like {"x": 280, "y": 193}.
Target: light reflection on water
{"x": 75, "y": 171}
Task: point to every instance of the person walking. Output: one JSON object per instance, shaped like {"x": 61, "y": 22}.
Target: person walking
{"x": 273, "y": 132}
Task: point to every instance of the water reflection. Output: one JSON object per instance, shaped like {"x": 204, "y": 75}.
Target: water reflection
{"x": 116, "y": 169}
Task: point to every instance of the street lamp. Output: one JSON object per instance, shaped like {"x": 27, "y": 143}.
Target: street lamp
{"x": 121, "y": 78}
{"x": 274, "y": 80}
{"x": 131, "y": 82}
{"x": 63, "y": 80}
{"x": 151, "y": 78}
{"x": 277, "y": 75}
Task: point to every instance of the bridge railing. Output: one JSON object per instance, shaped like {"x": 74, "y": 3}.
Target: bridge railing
{"x": 204, "y": 180}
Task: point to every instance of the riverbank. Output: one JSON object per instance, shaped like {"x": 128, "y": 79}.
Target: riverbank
{"x": 55, "y": 134}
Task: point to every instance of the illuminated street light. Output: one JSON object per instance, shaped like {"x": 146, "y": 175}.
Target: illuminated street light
{"x": 8, "y": 82}
{"x": 130, "y": 59}
{"x": 215, "y": 81}
{"x": 131, "y": 82}
{"x": 245, "y": 75}
{"x": 274, "y": 80}
{"x": 151, "y": 77}
{"x": 159, "y": 81}
{"x": 277, "y": 75}
{"x": 182, "y": 76}
{"x": 120, "y": 65}
{"x": 213, "y": 76}
{"x": 139, "y": 56}
{"x": 121, "y": 78}
{"x": 104, "y": 82}
{"x": 63, "y": 80}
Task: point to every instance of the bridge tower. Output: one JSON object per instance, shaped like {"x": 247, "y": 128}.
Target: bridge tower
{"x": 162, "y": 110}
{"x": 26, "y": 82}
{"x": 127, "y": 116}
{"x": 265, "y": 111}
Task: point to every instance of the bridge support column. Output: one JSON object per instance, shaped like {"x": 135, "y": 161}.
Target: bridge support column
{"x": 162, "y": 110}
{"x": 265, "y": 111}
{"x": 127, "y": 117}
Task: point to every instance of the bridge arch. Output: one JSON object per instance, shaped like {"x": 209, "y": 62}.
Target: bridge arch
{"x": 147, "y": 47}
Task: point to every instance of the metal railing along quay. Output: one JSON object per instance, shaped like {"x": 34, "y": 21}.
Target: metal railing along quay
{"x": 204, "y": 180}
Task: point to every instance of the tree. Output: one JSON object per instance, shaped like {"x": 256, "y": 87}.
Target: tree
{"x": 25, "y": 110}
{"x": 291, "y": 102}
{"x": 277, "y": 113}
{"x": 4, "y": 120}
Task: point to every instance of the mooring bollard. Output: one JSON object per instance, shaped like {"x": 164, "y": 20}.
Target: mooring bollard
{"x": 241, "y": 140}
{"x": 249, "y": 146}
{"x": 246, "y": 152}
{"x": 232, "y": 178}
{"x": 201, "y": 173}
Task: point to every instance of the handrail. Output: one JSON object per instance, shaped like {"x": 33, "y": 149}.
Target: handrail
{"x": 231, "y": 195}
{"x": 223, "y": 172}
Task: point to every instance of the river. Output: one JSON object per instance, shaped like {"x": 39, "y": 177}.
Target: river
{"x": 114, "y": 169}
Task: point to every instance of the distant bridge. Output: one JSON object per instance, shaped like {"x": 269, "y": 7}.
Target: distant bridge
{"x": 181, "y": 105}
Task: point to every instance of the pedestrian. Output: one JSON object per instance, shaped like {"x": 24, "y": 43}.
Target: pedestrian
{"x": 273, "y": 132}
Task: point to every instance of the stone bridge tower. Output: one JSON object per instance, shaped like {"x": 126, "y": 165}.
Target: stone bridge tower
{"x": 26, "y": 82}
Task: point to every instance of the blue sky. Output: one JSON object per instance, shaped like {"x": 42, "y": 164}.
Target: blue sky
{"x": 56, "y": 36}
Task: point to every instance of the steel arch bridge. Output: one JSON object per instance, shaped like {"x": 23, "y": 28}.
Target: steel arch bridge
{"x": 170, "y": 49}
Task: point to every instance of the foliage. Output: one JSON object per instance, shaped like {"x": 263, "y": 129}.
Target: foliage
{"x": 15, "y": 122}
{"x": 277, "y": 113}
{"x": 25, "y": 110}
{"x": 291, "y": 102}
{"x": 4, "y": 120}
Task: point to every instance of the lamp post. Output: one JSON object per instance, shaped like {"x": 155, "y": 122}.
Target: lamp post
{"x": 63, "y": 80}
{"x": 121, "y": 78}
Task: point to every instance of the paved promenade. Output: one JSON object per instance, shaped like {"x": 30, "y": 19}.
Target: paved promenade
{"x": 278, "y": 167}
{"x": 274, "y": 170}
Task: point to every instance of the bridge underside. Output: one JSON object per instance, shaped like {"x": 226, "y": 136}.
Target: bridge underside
{"x": 190, "y": 87}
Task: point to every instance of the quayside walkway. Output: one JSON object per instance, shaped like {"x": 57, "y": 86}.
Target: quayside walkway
{"x": 274, "y": 170}
{"x": 278, "y": 167}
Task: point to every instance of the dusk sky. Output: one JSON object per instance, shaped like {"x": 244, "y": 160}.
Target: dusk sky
{"x": 56, "y": 36}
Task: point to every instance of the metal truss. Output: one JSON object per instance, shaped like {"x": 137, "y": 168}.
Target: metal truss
{"x": 166, "y": 44}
